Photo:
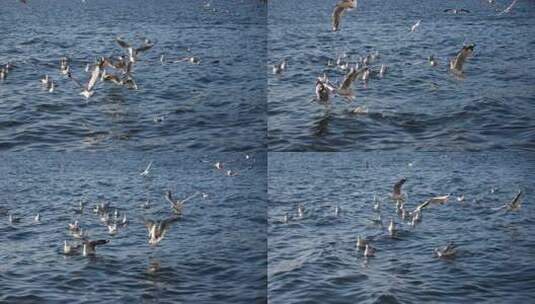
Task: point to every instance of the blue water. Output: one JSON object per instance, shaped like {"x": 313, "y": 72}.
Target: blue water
{"x": 313, "y": 259}
{"x": 224, "y": 95}
{"x": 216, "y": 253}
{"x": 415, "y": 106}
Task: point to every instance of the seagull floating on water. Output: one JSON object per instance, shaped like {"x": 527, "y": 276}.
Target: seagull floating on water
{"x": 369, "y": 251}
{"x": 446, "y": 252}
{"x": 278, "y": 68}
{"x": 70, "y": 249}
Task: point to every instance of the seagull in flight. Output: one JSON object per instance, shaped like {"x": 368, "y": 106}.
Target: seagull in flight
{"x": 176, "y": 204}
{"x": 133, "y": 52}
{"x": 339, "y": 10}
{"x": 456, "y": 64}
{"x": 508, "y": 9}
{"x": 434, "y": 200}
{"x": 416, "y": 25}
{"x": 147, "y": 170}
{"x": 157, "y": 229}
{"x": 397, "y": 194}
{"x": 513, "y": 205}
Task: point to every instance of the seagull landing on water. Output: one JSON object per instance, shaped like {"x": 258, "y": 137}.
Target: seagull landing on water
{"x": 157, "y": 229}
{"x": 147, "y": 170}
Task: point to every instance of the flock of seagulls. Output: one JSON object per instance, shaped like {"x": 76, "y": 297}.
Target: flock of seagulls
{"x": 116, "y": 70}
{"x": 361, "y": 69}
{"x": 413, "y": 218}
{"x": 114, "y": 221}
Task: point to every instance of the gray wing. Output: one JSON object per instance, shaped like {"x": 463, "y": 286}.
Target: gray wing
{"x": 98, "y": 242}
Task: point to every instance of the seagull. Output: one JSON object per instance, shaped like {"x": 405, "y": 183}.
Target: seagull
{"x": 345, "y": 87}
{"x": 460, "y": 198}
{"x": 13, "y": 220}
{"x": 190, "y": 59}
{"x": 90, "y": 246}
{"x": 416, "y": 25}
{"x": 278, "y": 68}
{"x": 74, "y": 226}
{"x": 147, "y": 170}
{"x": 37, "y": 218}
{"x": 231, "y": 173}
{"x": 300, "y": 210}
{"x": 336, "y": 210}
{"x": 87, "y": 90}
{"x": 513, "y": 205}
{"x": 79, "y": 234}
{"x": 447, "y": 251}
{"x": 508, "y": 9}
{"x": 339, "y": 10}
{"x": 70, "y": 249}
{"x": 146, "y": 204}
{"x": 377, "y": 204}
{"x": 132, "y": 52}
{"x": 64, "y": 67}
{"x": 432, "y": 61}
{"x": 219, "y": 166}
{"x": 382, "y": 71}
{"x": 112, "y": 229}
{"x": 3, "y": 73}
{"x": 178, "y": 205}
{"x": 157, "y": 229}
{"x": 392, "y": 227}
{"x": 361, "y": 242}
{"x": 456, "y": 10}
{"x": 369, "y": 251}
{"x": 456, "y": 64}
{"x": 397, "y": 194}
{"x": 323, "y": 90}
{"x": 285, "y": 218}
{"x": 434, "y": 200}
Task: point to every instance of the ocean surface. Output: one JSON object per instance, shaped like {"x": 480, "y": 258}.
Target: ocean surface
{"x": 314, "y": 259}
{"x": 218, "y": 105}
{"x": 414, "y": 106}
{"x": 216, "y": 252}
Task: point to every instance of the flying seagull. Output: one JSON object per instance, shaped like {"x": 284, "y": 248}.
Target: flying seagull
{"x": 157, "y": 229}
